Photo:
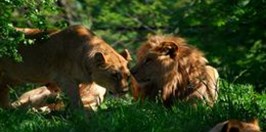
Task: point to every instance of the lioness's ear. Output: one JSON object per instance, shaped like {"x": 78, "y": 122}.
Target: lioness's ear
{"x": 99, "y": 59}
{"x": 126, "y": 55}
{"x": 169, "y": 48}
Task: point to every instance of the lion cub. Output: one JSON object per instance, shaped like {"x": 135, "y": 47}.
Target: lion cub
{"x": 237, "y": 126}
{"x": 92, "y": 95}
{"x": 168, "y": 68}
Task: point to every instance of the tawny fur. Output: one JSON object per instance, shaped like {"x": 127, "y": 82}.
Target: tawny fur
{"x": 237, "y": 126}
{"x": 92, "y": 95}
{"x": 66, "y": 58}
{"x": 168, "y": 68}
{"x": 36, "y": 97}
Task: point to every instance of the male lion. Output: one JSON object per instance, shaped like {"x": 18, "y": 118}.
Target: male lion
{"x": 65, "y": 58}
{"x": 171, "y": 69}
{"x": 237, "y": 126}
{"x": 92, "y": 95}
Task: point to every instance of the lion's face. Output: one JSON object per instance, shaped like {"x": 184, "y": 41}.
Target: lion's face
{"x": 111, "y": 72}
{"x": 154, "y": 69}
{"x": 170, "y": 68}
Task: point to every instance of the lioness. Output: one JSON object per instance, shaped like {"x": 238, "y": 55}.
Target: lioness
{"x": 168, "y": 68}
{"x": 66, "y": 58}
{"x": 237, "y": 126}
{"x": 92, "y": 95}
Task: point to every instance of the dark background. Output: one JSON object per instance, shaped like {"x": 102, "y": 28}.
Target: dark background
{"x": 230, "y": 32}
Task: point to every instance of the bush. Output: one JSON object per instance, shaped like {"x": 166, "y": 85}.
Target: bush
{"x": 25, "y": 13}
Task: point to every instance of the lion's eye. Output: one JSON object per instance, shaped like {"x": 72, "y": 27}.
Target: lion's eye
{"x": 147, "y": 60}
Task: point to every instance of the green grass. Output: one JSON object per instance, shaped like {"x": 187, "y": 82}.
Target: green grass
{"x": 235, "y": 101}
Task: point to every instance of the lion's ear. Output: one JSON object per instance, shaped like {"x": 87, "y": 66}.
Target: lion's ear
{"x": 126, "y": 55}
{"x": 99, "y": 59}
{"x": 254, "y": 121}
{"x": 169, "y": 48}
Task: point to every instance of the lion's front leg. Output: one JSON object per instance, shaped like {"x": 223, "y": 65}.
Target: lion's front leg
{"x": 71, "y": 89}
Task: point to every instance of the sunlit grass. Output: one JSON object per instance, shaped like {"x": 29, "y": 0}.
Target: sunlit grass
{"x": 235, "y": 101}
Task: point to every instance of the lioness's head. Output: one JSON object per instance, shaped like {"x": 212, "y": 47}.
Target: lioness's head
{"x": 111, "y": 71}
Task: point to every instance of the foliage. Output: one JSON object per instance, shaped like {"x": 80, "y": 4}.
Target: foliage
{"x": 230, "y": 32}
{"x": 21, "y": 13}
{"x": 232, "y": 29}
